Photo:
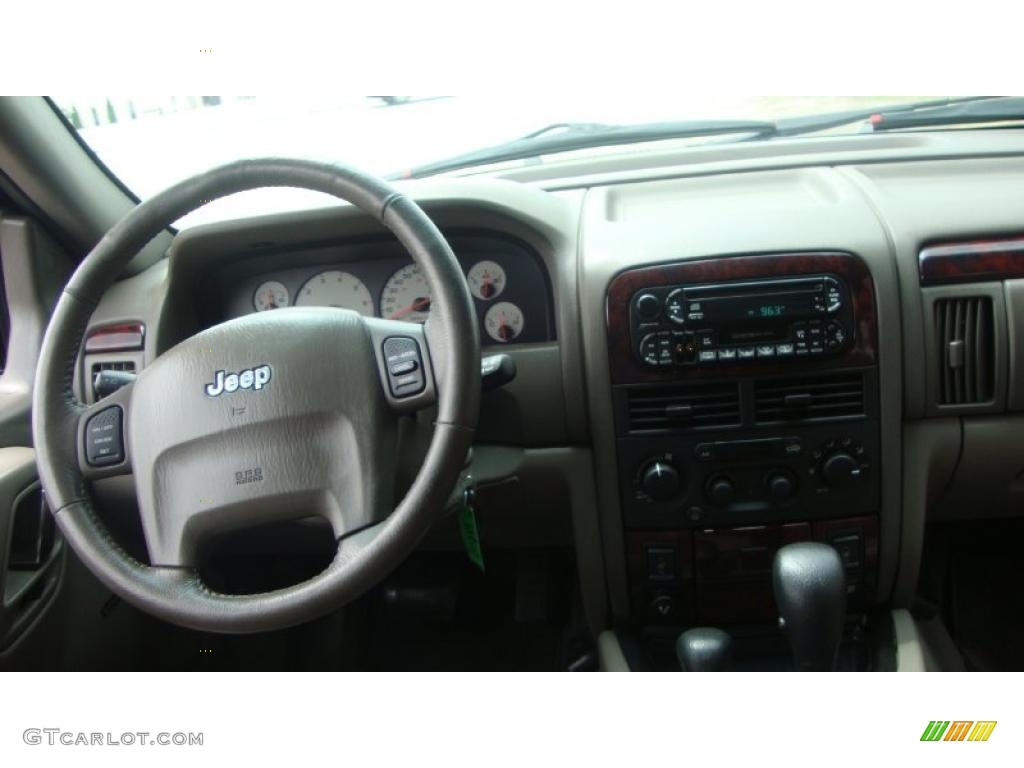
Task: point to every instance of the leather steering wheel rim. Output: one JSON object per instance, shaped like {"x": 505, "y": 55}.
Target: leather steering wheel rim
{"x": 177, "y": 594}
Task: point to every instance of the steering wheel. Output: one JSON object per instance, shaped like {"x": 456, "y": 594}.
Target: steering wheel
{"x": 268, "y": 417}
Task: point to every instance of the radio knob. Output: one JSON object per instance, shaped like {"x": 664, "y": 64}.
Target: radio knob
{"x": 840, "y": 469}
{"x": 660, "y": 480}
{"x": 781, "y": 486}
{"x": 721, "y": 491}
{"x": 648, "y": 306}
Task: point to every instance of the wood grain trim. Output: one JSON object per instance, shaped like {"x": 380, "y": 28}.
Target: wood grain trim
{"x": 627, "y": 369}
{"x": 971, "y": 261}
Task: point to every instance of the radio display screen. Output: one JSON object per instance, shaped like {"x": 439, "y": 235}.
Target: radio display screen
{"x": 752, "y": 334}
{"x": 743, "y": 309}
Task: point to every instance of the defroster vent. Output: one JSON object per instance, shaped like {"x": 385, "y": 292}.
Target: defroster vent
{"x": 684, "y": 406}
{"x": 964, "y": 331}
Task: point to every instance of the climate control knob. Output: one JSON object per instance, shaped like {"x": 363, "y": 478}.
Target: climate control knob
{"x": 660, "y": 480}
{"x": 781, "y": 485}
{"x": 840, "y": 469}
{"x": 721, "y": 491}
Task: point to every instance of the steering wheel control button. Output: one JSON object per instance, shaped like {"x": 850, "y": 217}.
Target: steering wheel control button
{"x": 104, "y": 441}
{"x": 405, "y": 368}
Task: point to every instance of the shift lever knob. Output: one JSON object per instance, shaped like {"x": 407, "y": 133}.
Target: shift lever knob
{"x": 811, "y": 596}
{"x": 704, "y": 649}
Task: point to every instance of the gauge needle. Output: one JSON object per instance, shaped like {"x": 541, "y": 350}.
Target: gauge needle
{"x": 421, "y": 303}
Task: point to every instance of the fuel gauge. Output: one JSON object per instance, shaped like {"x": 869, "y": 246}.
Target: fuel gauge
{"x": 270, "y": 295}
{"x": 504, "y": 322}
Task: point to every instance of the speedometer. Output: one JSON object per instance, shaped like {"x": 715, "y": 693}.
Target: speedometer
{"x": 406, "y": 296}
{"x": 336, "y": 289}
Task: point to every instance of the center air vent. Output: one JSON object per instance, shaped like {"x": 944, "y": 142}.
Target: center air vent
{"x": 826, "y": 396}
{"x": 963, "y": 332}
{"x": 686, "y": 406}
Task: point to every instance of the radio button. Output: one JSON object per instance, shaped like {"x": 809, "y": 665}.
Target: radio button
{"x": 728, "y": 353}
{"x": 649, "y": 349}
{"x": 675, "y": 306}
{"x": 745, "y": 353}
{"x": 784, "y": 350}
{"x": 683, "y": 347}
{"x": 835, "y": 335}
{"x": 766, "y": 350}
{"x": 665, "y": 348}
{"x": 705, "y": 339}
{"x": 799, "y": 332}
{"x": 648, "y": 306}
{"x": 708, "y": 356}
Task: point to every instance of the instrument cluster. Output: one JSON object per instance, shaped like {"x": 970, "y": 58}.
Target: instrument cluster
{"x": 506, "y": 279}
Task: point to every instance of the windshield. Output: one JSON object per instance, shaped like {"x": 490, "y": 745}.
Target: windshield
{"x": 151, "y": 143}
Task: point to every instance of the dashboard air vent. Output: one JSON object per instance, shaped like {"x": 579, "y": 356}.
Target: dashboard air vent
{"x": 685, "y": 406}
{"x": 964, "y": 334}
{"x": 826, "y": 396}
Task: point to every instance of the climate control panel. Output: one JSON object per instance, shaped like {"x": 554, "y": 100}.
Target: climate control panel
{"x": 692, "y": 480}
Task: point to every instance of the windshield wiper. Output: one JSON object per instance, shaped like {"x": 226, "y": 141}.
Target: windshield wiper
{"x": 987, "y": 110}
{"x": 977, "y": 109}
{"x": 567, "y": 137}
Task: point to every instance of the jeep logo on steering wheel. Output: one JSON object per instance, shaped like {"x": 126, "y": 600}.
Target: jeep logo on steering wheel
{"x": 251, "y": 378}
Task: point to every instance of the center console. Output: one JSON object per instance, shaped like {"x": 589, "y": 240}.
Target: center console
{"x": 746, "y": 405}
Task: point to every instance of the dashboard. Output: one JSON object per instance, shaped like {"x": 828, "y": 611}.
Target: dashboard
{"x": 675, "y": 447}
{"x": 511, "y": 291}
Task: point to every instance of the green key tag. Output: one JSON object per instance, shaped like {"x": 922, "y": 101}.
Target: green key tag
{"x": 468, "y": 530}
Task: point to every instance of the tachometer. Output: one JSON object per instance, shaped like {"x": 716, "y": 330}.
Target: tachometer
{"x": 270, "y": 295}
{"x": 406, "y": 296}
{"x": 336, "y": 289}
{"x": 504, "y": 322}
{"x": 486, "y": 280}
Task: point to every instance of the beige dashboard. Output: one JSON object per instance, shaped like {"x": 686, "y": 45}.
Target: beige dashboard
{"x": 548, "y": 439}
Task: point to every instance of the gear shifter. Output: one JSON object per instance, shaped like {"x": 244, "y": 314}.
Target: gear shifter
{"x": 810, "y": 593}
{"x": 704, "y": 649}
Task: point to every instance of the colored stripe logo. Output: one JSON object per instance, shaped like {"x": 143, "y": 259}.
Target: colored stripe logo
{"x": 958, "y": 730}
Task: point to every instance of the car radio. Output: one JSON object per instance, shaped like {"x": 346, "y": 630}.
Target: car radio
{"x": 735, "y": 322}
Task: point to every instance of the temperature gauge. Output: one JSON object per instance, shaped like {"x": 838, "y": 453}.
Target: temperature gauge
{"x": 270, "y": 295}
{"x": 504, "y": 322}
{"x": 486, "y": 280}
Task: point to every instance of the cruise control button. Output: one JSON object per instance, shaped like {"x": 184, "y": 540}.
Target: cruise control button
{"x": 405, "y": 367}
{"x": 399, "y": 351}
{"x": 104, "y": 439}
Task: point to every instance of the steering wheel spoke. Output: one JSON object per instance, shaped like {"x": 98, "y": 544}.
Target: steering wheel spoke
{"x": 103, "y": 447}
